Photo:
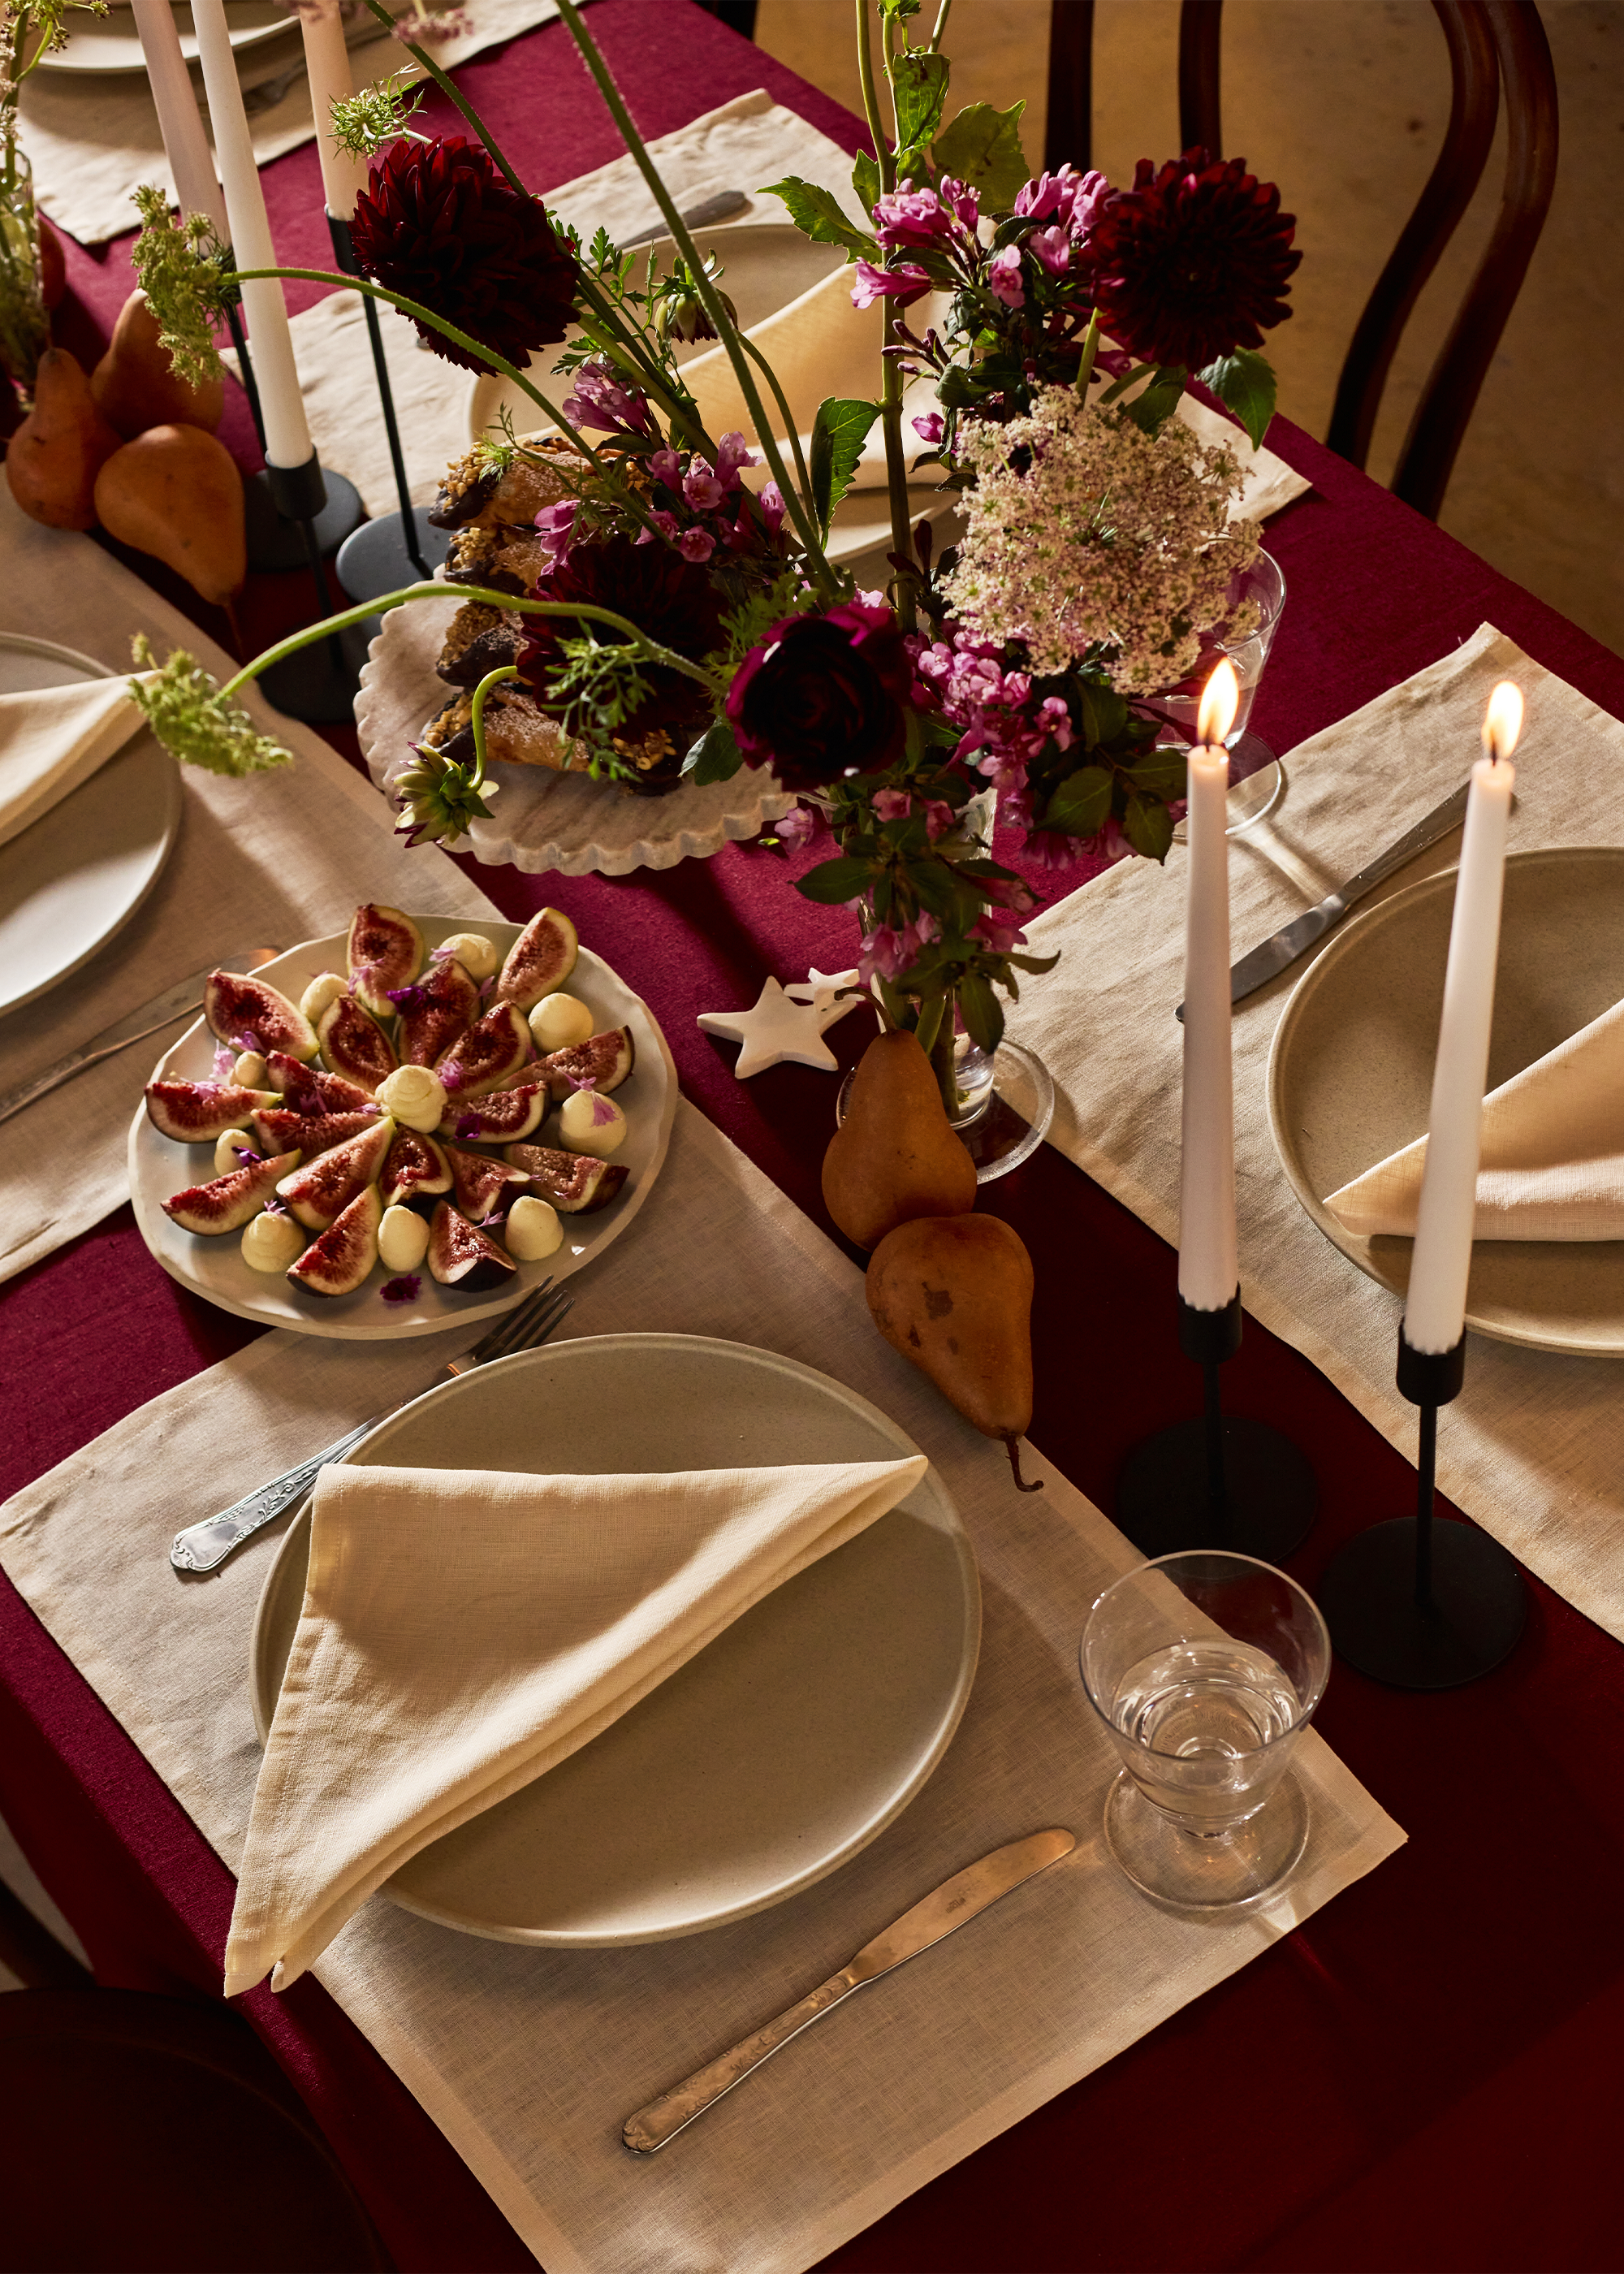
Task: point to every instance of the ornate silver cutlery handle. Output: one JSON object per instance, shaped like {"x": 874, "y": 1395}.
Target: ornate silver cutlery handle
{"x": 203, "y": 1546}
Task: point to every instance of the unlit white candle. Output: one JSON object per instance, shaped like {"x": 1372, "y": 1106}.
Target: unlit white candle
{"x": 1208, "y": 1271}
{"x": 281, "y": 405}
{"x": 1435, "y": 1307}
{"x": 327, "y": 63}
{"x": 185, "y": 144}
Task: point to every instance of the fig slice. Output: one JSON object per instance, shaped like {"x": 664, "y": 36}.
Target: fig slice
{"x": 499, "y": 1114}
{"x": 195, "y": 1112}
{"x": 386, "y": 950}
{"x": 311, "y": 1132}
{"x": 226, "y": 1203}
{"x": 308, "y": 1089}
{"x": 437, "y": 1008}
{"x": 461, "y": 1255}
{"x": 493, "y": 1046}
{"x": 338, "y": 1262}
{"x": 604, "y": 1060}
{"x": 481, "y": 1181}
{"x": 414, "y": 1164}
{"x": 573, "y": 1182}
{"x": 355, "y": 1045}
{"x": 539, "y": 960}
{"x": 235, "y": 1005}
{"x": 319, "y": 1192}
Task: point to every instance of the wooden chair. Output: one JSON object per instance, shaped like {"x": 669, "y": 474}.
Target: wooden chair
{"x": 1493, "y": 45}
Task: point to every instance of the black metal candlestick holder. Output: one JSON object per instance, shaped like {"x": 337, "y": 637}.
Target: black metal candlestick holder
{"x": 1216, "y": 1482}
{"x": 251, "y": 385}
{"x": 319, "y": 684}
{"x": 1419, "y": 1602}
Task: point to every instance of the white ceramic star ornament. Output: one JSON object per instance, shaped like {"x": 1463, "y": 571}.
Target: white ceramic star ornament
{"x": 779, "y": 1028}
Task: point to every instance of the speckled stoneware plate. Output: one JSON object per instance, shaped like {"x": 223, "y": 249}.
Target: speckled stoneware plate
{"x": 1350, "y": 1073}
{"x": 213, "y": 1268}
{"x": 764, "y": 1764}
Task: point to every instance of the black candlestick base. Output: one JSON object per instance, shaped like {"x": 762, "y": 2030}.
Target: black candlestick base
{"x": 1163, "y": 1502}
{"x": 275, "y": 542}
{"x": 375, "y": 557}
{"x": 315, "y": 685}
{"x": 1474, "y": 1615}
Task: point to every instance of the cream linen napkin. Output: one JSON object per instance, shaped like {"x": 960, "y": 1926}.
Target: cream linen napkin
{"x": 54, "y": 738}
{"x": 462, "y": 1633}
{"x": 1552, "y": 1160}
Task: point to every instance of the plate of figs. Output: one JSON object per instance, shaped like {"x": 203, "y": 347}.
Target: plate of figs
{"x": 404, "y": 1128}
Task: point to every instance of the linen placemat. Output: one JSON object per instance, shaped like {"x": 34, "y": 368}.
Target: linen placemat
{"x": 1533, "y": 1447}
{"x": 529, "y": 2059}
{"x": 267, "y": 863}
{"x": 92, "y": 138}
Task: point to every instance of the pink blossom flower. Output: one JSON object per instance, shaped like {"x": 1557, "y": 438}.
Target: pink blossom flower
{"x": 892, "y": 949}
{"x": 1004, "y": 277}
{"x": 225, "y": 1058}
{"x": 1053, "y": 247}
{"x": 797, "y": 826}
{"x": 701, "y": 489}
{"x": 696, "y": 544}
{"x": 939, "y": 818}
{"x": 903, "y": 284}
{"x": 733, "y": 455}
{"x": 891, "y": 804}
{"x": 962, "y": 200}
{"x": 601, "y": 402}
{"x": 772, "y": 503}
{"x": 911, "y": 217}
{"x": 1001, "y": 929}
{"x": 665, "y": 523}
{"x": 666, "y": 467}
{"x": 931, "y": 427}
{"x": 556, "y": 525}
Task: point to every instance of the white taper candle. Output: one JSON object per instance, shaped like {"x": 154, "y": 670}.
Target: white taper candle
{"x": 185, "y": 144}
{"x": 1441, "y": 1261}
{"x": 1208, "y": 1271}
{"x": 281, "y": 405}
{"x": 326, "y": 62}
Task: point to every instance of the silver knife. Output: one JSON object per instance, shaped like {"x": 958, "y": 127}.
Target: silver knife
{"x": 700, "y": 216}
{"x": 176, "y": 1002}
{"x": 960, "y": 1898}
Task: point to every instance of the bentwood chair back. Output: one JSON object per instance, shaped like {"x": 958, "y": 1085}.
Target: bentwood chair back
{"x": 1494, "y": 46}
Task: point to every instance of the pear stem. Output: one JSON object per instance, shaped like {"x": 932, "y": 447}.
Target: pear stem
{"x": 1011, "y": 1446}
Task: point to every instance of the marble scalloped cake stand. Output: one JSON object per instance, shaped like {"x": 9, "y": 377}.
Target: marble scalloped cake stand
{"x": 541, "y": 820}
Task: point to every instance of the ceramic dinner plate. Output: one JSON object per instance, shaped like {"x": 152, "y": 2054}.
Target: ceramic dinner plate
{"x": 213, "y": 1268}
{"x": 1350, "y": 1073}
{"x": 70, "y": 880}
{"x": 771, "y": 1759}
{"x": 111, "y": 43}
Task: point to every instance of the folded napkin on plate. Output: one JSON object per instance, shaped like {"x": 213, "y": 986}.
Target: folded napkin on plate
{"x": 1553, "y": 1161}
{"x": 52, "y": 739}
{"x": 462, "y": 1633}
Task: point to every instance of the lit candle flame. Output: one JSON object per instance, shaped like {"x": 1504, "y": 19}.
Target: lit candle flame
{"x": 1503, "y": 721}
{"x": 1221, "y": 699}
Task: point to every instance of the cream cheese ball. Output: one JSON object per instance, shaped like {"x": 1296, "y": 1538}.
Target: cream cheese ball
{"x": 225, "y": 1150}
{"x": 557, "y": 1020}
{"x": 250, "y": 1072}
{"x": 402, "y": 1239}
{"x": 472, "y": 950}
{"x": 532, "y": 1231}
{"x": 414, "y": 1095}
{"x": 323, "y": 992}
{"x": 590, "y": 1124}
{"x": 271, "y": 1242}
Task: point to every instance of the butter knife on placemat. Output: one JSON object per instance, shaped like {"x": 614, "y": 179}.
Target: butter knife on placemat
{"x": 956, "y": 1900}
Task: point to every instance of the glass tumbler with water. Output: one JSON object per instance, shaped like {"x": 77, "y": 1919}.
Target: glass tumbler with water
{"x": 1206, "y": 1668}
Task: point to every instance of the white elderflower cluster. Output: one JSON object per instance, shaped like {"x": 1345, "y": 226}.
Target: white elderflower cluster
{"x": 1084, "y": 532}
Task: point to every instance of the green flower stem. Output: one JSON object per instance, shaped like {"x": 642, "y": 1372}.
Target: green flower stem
{"x": 934, "y": 48}
{"x": 1091, "y": 348}
{"x": 885, "y": 157}
{"x": 897, "y": 478}
{"x": 802, "y": 475}
{"x": 477, "y": 718}
{"x": 710, "y": 299}
{"x": 453, "y": 93}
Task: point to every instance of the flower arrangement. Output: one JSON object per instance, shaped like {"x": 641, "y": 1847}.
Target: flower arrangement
{"x": 1062, "y": 321}
{"x": 28, "y": 30}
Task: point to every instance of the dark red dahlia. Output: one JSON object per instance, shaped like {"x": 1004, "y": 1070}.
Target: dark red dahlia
{"x": 668, "y": 599}
{"x": 825, "y": 694}
{"x": 1193, "y": 262}
{"x": 438, "y": 223}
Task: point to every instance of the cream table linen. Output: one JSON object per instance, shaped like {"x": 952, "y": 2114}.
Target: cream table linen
{"x": 53, "y": 739}
{"x": 282, "y": 857}
{"x": 464, "y": 1632}
{"x": 530, "y": 2060}
{"x": 1533, "y": 1448}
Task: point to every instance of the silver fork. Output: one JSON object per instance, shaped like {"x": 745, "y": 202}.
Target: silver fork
{"x": 203, "y": 1547}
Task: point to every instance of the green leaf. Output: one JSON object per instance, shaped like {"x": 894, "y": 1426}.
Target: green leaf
{"x": 982, "y": 148}
{"x": 919, "y": 83}
{"x": 1034, "y": 962}
{"x": 833, "y": 883}
{"x": 982, "y": 1012}
{"x": 818, "y": 214}
{"x": 1152, "y": 410}
{"x": 1149, "y": 827}
{"x": 866, "y": 179}
{"x": 839, "y": 433}
{"x": 933, "y": 885}
{"x": 1163, "y": 774}
{"x": 1105, "y": 714}
{"x": 990, "y": 870}
{"x": 1245, "y": 383}
{"x": 1081, "y": 804}
{"x": 715, "y": 756}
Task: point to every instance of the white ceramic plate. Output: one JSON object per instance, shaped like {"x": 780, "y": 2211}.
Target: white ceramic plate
{"x": 111, "y": 43}
{"x": 214, "y": 1267}
{"x": 70, "y": 880}
{"x": 770, "y": 1759}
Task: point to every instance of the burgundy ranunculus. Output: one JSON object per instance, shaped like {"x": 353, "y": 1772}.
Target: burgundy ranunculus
{"x": 668, "y": 599}
{"x": 825, "y": 694}
{"x": 439, "y": 224}
{"x": 1193, "y": 262}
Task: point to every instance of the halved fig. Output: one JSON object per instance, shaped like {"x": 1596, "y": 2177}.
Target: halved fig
{"x": 461, "y": 1255}
{"x": 493, "y": 1046}
{"x": 386, "y": 950}
{"x": 194, "y": 1112}
{"x": 307, "y": 1090}
{"x": 226, "y": 1203}
{"x": 355, "y": 1045}
{"x": 603, "y": 1059}
{"x": 414, "y": 1164}
{"x": 311, "y": 1132}
{"x": 574, "y": 1183}
{"x": 235, "y": 1005}
{"x": 539, "y": 960}
{"x": 319, "y": 1192}
{"x": 499, "y": 1114}
{"x": 439, "y": 1007}
{"x": 337, "y": 1262}
{"x": 481, "y": 1181}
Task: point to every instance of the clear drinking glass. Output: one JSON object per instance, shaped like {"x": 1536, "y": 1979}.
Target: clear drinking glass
{"x": 1205, "y": 1667}
{"x": 1256, "y": 791}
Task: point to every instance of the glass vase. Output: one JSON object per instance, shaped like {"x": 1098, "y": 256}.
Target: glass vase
{"x": 24, "y": 326}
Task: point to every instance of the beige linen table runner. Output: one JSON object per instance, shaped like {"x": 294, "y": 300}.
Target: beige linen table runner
{"x": 1534, "y": 1447}
{"x": 530, "y": 2060}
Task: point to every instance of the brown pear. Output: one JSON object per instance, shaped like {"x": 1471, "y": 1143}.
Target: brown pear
{"x": 56, "y": 453}
{"x": 954, "y": 1295}
{"x": 895, "y": 1156}
{"x": 176, "y": 492}
{"x": 134, "y": 386}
